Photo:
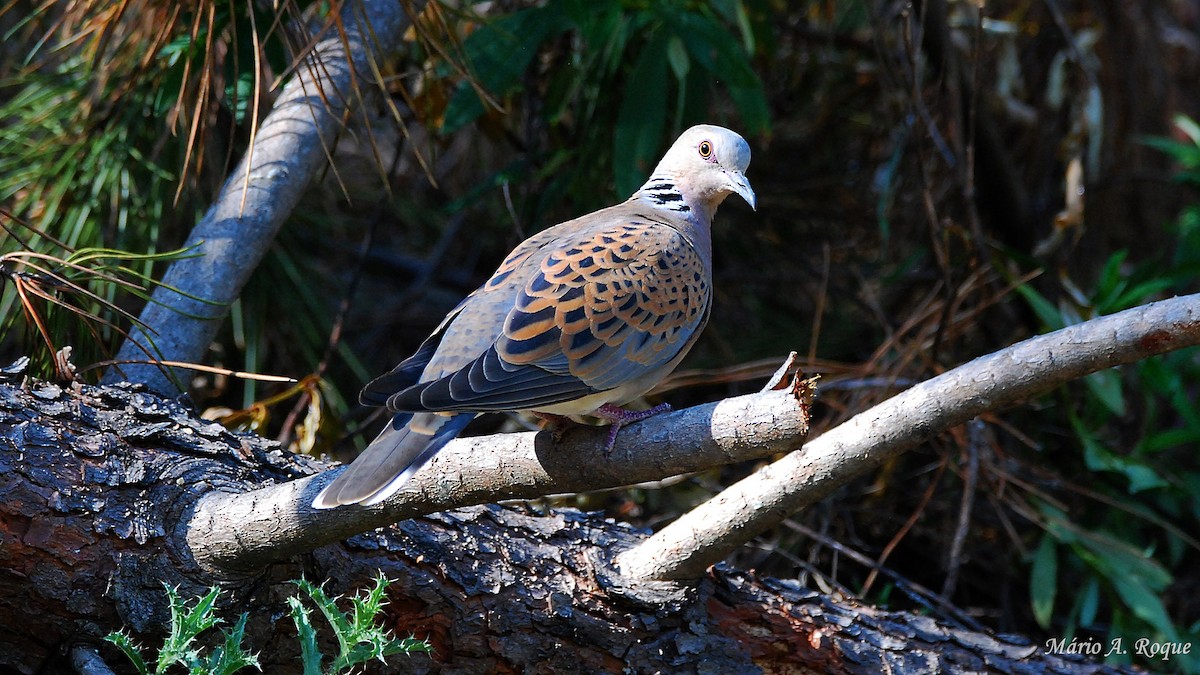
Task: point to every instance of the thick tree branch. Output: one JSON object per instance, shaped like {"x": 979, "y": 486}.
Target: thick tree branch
{"x": 710, "y": 532}
{"x": 291, "y": 147}
{"x": 95, "y": 480}
{"x": 241, "y": 533}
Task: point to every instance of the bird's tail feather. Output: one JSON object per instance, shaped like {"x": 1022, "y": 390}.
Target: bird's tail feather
{"x": 404, "y": 445}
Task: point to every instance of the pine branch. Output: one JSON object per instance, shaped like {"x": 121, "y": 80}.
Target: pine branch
{"x": 291, "y": 147}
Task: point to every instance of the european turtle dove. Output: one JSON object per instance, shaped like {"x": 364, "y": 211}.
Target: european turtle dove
{"x": 579, "y": 319}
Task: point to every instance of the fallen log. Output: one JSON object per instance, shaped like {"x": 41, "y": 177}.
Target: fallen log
{"x": 99, "y": 485}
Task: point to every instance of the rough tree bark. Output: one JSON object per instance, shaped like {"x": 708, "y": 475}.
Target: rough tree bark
{"x": 236, "y": 532}
{"x": 99, "y": 483}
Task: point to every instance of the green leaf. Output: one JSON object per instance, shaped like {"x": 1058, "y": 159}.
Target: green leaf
{"x": 716, "y": 50}
{"x": 1089, "y": 602}
{"x": 186, "y": 624}
{"x": 1046, "y": 312}
{"x": 1189, "y": 127}
{"x": 1142, "y": 477}
{"x": 641, "y": 119}
{"x": 752, "y": 105}
{"x": 1171, "y": 438}
{"x": 408, "y": 645}
{"x": 744, "y": 27}
{"x": 678, "y": 57}
{"x": 1105, "y": 385}
{"x": 1139, "y": 293}
{"x": 1182, "y": 152}
{"x": 126, "y": 645}
{"x": 181, "y": 47}
{"x": 1097, "y": 457}
{"x": 359, "y": 638}
{"x": 598, "y": 22}
{"x": 1111, "y": 280}
{"x": 239, "y": 96}
{"x": 1137, "y": 578}
{"x": 713, "y": 47}
{"x": 1145, "y": 603}
{"x": 1043, "y": 584}
{"x": 497, "y": 54}
{"x": 231, "y": 656}
{"x": 310, "y": 654}
{"x": 341, "y": 627}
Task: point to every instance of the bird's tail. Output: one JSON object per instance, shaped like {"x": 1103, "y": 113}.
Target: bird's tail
{"x": 404, "y": 445}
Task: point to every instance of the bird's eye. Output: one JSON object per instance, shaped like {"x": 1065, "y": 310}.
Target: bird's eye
{"x": 705, "y": 149}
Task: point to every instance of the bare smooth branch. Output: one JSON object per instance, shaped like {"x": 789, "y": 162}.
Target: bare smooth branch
{"x": 240, "y": 533}
{"x": 708, "y": 533}
{"x": 291, "y": 147}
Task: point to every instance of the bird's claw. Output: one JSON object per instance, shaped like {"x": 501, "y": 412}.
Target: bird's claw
{"x": 619, "y": 417}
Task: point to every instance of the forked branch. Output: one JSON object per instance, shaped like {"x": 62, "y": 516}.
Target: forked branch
{"x": 239, "y": 533}
{"x": 708, "y": 533}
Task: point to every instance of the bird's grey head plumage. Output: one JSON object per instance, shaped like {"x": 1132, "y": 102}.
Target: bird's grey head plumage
{"x": 704, "y": 165}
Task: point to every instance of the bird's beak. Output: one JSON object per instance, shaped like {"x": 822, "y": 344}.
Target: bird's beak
{"x": 742, "y": 187}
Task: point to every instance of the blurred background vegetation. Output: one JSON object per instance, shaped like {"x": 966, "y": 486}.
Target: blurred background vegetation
{"x": 935, "y": 183}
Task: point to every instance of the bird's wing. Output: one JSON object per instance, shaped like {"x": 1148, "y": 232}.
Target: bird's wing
{"x": 409, "y": 371}
{"x": 605, "y": 303}
{"x": 439, "y": 354}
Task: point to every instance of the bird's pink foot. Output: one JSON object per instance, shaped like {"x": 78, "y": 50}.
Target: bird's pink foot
{"x": 619, "y": 417}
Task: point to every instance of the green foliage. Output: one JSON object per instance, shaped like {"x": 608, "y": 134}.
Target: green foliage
{"x": 79, "y": 176}
{"x": 57, "y": 295}
{"x": 1043, "y": 585}
{"x": 633, "y": 72}
{"x": 79, "y": 184}
{"x": 359, "y": 638}
{"x": 187, "y": 623}
{"x": 100, "y": 134}
{"x": 1122, "y": 551}
{"x": 108, "y": 143}
{"x": 1184, "y": 152}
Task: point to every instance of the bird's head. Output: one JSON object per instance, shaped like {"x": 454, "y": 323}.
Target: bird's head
{"x": 708, "y": 163}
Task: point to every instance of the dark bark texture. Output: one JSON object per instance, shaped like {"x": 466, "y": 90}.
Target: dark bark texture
{"x": 99, "y": 482}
